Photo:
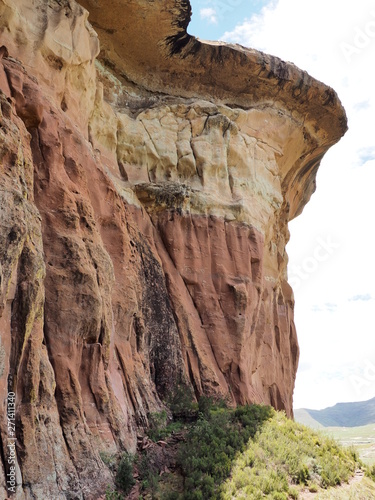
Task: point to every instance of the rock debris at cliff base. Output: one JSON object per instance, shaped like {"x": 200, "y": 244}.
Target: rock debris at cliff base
{"x": 147, "y": 181}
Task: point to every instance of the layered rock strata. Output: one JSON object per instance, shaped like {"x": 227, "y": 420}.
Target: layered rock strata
{"x": 145, "y": 194}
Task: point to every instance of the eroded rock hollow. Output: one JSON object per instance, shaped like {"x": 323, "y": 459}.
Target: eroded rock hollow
{"x": 147, "y": 181}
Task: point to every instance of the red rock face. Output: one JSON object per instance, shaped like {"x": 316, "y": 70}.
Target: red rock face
{"x": 142, "y": 240}
{"x": 232, "y": 322}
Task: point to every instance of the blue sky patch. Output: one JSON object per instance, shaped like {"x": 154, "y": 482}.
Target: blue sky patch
{"x": 212, "y": 18}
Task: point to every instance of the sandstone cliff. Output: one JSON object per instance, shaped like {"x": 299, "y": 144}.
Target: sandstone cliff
{"x": 146, "y": 189}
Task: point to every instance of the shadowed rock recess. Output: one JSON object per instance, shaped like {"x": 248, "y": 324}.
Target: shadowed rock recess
{"x": 146, "y": 188}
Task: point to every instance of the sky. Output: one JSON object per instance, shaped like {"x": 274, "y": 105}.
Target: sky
{"x": 331, "y": 250}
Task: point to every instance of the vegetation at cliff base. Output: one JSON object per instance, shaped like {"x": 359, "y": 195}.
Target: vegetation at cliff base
{"x": 248, "y": 452}
{"x": 286, "y": 457}
{"x": 212, "y": 444}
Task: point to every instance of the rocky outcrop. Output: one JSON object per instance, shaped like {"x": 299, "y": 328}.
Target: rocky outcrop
{"x": 145, "y": 196}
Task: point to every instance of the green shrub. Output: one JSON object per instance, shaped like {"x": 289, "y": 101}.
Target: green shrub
{"x": 277, "y": 495}
{"x": 181, "y": 402}
{"x": 124, "y": 476}
{"x": 293, "y": 493}
{"x": 148, "y": 472}
{"x": 157, "y": 424}
{"x": 212, "y": 444}
{"x": 151, "y": 484}
{"x": 207, "y": 404}
{"x": 109, "y": 459}
{"x": 159, "y": 428}
{"x": 303, "y": 475}
{"x": 252, "y": 416}
{"x": 313, "y": 488}
{"x": 281, "y": 451}
{"x": 111, "y": 494}
{"x": 172, "y": 495}
{"x": 354, "y": 453}
{"x": 370, "y": 472}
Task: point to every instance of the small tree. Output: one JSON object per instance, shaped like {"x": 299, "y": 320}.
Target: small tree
{"x": 124, "y": 476}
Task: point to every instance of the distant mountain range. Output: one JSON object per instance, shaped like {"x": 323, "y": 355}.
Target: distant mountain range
{"x": 340, "y": 415}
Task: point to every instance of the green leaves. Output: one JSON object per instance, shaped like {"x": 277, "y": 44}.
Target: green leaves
{"x": 212, "y": 444}
{"x": 124, "y": 475}
{"x": 283, "y": 452}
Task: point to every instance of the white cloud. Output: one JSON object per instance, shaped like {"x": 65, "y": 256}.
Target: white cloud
{"x": 324, "y": 307}
{"x": 335, "y": 42}
{"x": 210, "y": 14}
{"x": 366, "y": 154}
{"x": 364, "y": 296}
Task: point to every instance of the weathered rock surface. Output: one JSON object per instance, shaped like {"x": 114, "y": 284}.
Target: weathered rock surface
{"x": 145, "y": 196}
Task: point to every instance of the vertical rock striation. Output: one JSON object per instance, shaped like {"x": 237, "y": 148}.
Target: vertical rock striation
{"x": 145, "y": 196}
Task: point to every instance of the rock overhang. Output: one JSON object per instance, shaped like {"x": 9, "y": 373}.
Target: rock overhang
{"x": 148, "y": 43}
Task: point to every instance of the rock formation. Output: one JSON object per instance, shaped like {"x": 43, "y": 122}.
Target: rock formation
{"x": 146, "y": 189}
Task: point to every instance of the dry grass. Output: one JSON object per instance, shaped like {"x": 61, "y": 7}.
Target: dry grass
{"x": 363, "y": 490}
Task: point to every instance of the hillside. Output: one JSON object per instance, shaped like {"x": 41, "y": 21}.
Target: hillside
{"x": 303, "y": 417}
{"x": 251, "y": 452}
{"x": 341, "y": 415}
